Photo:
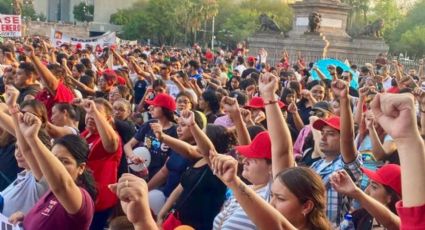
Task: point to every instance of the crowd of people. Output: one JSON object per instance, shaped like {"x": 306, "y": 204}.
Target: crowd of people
{"x": 138, "y": 137}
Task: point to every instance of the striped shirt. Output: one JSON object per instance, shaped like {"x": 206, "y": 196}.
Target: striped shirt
{"x": 233, "y": 217}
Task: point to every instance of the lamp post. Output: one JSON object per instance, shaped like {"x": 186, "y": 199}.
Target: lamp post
{"x": 212, "y": 31}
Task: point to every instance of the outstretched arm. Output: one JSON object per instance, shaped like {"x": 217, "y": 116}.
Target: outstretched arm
{"x": 282, "y": 149}
{"x": 348, "y": 149}
{"x": 58, "y": 178}
{"x": 396, "y": 115}
{"x": 261, "y": 213}
{"x": 110, "y": 139}
{"x": 51, "y": 81}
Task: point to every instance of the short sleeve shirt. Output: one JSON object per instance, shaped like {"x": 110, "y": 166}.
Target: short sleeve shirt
{"x": 412, "y": 217}
{"x": 49, "y": 214}
{"x": 105, "y": 169}
{"x": 63, "y": 95}
{"x": 159, "y": 151}
{"x": 23, "y": 193}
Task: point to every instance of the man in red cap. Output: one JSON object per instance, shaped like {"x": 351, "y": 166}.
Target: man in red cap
{"x": 250, "y": 62}
{"x": 337, "y": 145}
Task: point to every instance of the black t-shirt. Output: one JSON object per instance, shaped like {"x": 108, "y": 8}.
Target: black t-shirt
{"x": 304, "y": 111}
{"x": 159, "y": 151}
{"x": 126, "y": 130}
{"x": 353, "y": 92}
{"x": 248, "y": 71}
{"x": 30, "y": 90}
{"x": 104, "y": 95}
{"x": 212, "y": 116}
{"x": 204, "y": 202}
{"x": 139, "y": 90}
{"x": 8, "y": 165}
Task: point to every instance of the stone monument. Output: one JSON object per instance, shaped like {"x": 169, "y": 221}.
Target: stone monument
{"x": 319, "y": 30}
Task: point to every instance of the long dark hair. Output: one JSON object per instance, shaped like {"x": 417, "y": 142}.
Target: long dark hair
{"x": 306, "y": 185}
{"x": 70, "y": 109}
{"x": 394, "y": 198}
{"x": 212, "y": 99}
{"x": 79, "y": 149}
{"x": 222, "y": 138}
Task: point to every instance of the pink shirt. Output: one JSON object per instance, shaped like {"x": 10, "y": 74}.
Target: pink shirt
{"x": 411, "y": 218}
{"x": 299, "y": 143}
{"x": 49, "y": 214}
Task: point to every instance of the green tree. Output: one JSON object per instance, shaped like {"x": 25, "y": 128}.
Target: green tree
{"x": 413, "y": 42}
{"x": 83, "y": 12}
{"x": 6, "y": 7}
{"x": 400, "y": 39}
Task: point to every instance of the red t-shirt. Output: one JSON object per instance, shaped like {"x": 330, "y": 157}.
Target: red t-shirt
{"x": 63, "y": 95}
{"x": 393, "y": 90}
{"x": 105, "y": 169}
{"x": 49, "y": 214}
{"x": 209, "y": 56}
{"x": 411, "y": 218}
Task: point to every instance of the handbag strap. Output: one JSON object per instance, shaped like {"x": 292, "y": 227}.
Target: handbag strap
{"x": 193, "y": 188}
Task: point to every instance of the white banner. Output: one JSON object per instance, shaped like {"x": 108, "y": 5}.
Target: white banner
{"x": 126, "y": 42}
{"x": 10, "y": 25}
{"x": 58, "y": 38}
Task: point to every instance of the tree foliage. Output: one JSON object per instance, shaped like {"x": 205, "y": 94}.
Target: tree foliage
{"x": 83, "y": 12}
{"x": 190, "y": 21}
{"x": 406, "y": 37}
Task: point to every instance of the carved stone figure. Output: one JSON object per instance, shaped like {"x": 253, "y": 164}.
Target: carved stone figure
{"x": 268, "y": 24}
{"x": 314, "y": 20}
{"x": 373, "y": 29}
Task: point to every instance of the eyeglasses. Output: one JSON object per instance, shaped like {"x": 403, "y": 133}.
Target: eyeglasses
{"x": 183, "y": 101}
{"x": 317, "y": 113}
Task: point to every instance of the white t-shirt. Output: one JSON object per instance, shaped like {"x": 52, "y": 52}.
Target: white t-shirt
{"x": 173, "y": 90}
{"x": 23, "y": 193}
{"x": 240, "y": 68}
{"x": 387, "y": 83}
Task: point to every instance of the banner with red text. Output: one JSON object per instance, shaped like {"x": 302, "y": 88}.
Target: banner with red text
{"x": 10, "y": 25}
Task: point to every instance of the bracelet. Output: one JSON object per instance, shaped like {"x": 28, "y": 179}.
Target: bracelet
{"x": 14, "y": 110}
{"x": 270, "y": 102}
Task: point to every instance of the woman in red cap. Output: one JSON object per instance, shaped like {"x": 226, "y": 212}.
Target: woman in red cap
{"x": 379, "y": 199}
{"x": 162, "y": 109}
{"x": 297, "y": 198}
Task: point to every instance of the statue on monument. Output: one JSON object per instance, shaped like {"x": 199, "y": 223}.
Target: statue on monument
{"x": 373, "y": 29}
{"x": 268, "y": 24}
{"x": 314, "y": 20}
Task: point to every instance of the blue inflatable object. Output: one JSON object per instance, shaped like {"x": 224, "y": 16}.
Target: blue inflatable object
{"x": 323, "y": 64}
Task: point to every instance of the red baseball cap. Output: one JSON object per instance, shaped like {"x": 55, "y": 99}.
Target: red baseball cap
{"x": 389, "y": 175}
{"x": 109, "y": 72}
{"x": 260, "y": 147}
{"x": 333, "y": 122}
{"x": 258, "y": 103}
{"x": 163, "y": 100}
{"x": 251, "y": 59}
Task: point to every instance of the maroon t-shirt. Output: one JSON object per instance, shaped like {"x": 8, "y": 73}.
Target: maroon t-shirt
{"x": 49, "y": 214}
